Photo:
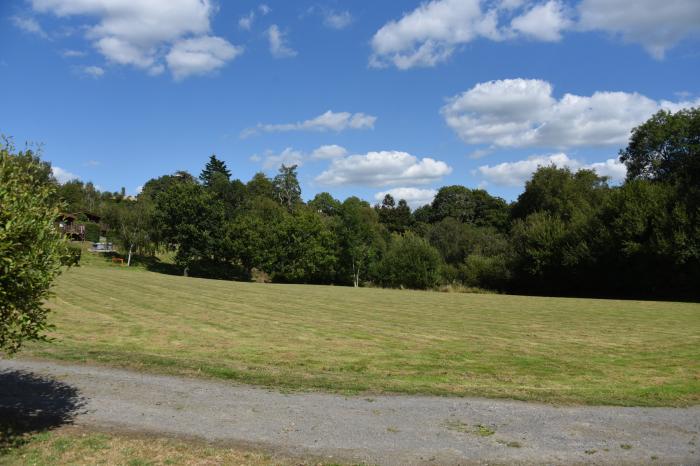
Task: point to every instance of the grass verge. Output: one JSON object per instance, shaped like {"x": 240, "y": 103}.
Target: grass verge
{"x": 70, "y": 445}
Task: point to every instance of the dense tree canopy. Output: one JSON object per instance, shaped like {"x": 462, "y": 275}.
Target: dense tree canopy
{"x": 569, "y": 232}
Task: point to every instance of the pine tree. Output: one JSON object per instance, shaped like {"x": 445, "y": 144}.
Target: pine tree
{"x": 212, "y": 167}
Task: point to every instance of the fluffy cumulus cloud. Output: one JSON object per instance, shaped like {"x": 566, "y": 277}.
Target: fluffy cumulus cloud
{"x": 431, "y": 33}
{"x": 415, "y": 197}
{"x": 385, "y": 168}
{"x": 523, "y": 112}
{"x": 328, "y": 121}
{"x": 428, "y": 35}
{"x": 516, "y": 173}
{"x": 61, "y": 175}
{"x": 279, "y": 48}
{"x": 144, "y": 34}
{"x": 200, "y": 55}
{"x": 656, "y": 25}
{"x": 543, "y": 22}
{"x": 330, "y": 151}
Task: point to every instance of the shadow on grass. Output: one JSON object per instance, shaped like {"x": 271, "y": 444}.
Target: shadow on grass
{"x": 30, "y": 404}
{"x": 218, "y": 270}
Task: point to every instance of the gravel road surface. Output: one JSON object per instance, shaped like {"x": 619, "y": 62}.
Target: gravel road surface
{"x": 388, "y": 430}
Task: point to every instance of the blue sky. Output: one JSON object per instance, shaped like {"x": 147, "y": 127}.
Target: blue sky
{"x": 367, "y": 97}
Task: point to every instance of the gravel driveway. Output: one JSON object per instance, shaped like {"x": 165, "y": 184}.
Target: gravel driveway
{"x": 391, "y": 430}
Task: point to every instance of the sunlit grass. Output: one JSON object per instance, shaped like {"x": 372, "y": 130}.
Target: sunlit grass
{"x": 373, "y": 340}
{"x": 77, "y": 447}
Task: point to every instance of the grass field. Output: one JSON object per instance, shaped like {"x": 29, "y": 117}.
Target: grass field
{"x": 374, "y": 341}
{"x": 77, "y": 447}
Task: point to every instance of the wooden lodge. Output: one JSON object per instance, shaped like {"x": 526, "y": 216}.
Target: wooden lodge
{"x": 72, "y": 226}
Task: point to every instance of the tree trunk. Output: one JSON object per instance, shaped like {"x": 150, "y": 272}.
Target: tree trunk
{"x": 355, "y": 274}
{"x": 184, "y": 271}
{"x": 128, "y": 261}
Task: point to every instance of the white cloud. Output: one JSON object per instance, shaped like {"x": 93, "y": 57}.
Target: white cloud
{"x": 333, "y": 121}
{"x": 337, "y": 19}
{"x": 93, "y": 71}
{"x": 29, "y": 25}
{"x": 428, "y": 35}
{"x": 431, "y": 33}
{"x": 415, "y": 197}
{"x": 264, "y": 9}
{"x": 518, "y": 172}
{"x": 523, "y": 112}
{"x": 287, "y": 157}
{"x": 61, "y": 175}
{"x": 278, "y": 43}
{"x": 331, "y": 151}
{"x": 543, "y": 22}
{"x": 612, "y": 168}
{"x": 656, "y": 25}
{"x": 138, "y": 33}
{"x": 246, "y": 22}
{"x": 200, "y": 55}
{"x": 383, "y": 168}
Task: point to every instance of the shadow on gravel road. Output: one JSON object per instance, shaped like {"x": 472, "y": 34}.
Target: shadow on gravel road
{"x": 30, "y": 403}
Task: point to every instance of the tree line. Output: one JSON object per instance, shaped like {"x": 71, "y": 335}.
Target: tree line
{"x": 568, "y": 233}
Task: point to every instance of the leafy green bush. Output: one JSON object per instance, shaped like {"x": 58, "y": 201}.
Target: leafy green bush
{"x": 410, "y": 262}
{"x": 31, "y": 247}
{"x": 72, "y": 257}
{"x": 92, "y": 232}
{"x": 490, "y": 272}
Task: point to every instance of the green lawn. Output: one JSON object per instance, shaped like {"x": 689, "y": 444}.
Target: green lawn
{"x": 78, "y": 447}
{"x": 373, "y": 341}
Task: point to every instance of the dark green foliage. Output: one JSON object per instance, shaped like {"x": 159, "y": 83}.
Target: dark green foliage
{"x": 213, "y": 168}
{"x": 254, "y": 235}
{"x": 475, "y": 207}
{"x": 326, "y": 204}
{"x": 423, "y": 214}
{"x": 73, "y": 255}
{"x": 308, "y": 250}
{"x": 410, "y": 262}
{"x": 475, "y": 256}
{"x": 564, "y": 194}
{"x": 453, "y": 201}
{"x": 190, "y": 221}
{"x": 31, "y": 249}
{"x": 666, "y": 148}
{"x": 642, "y": 228}
{"x": 260, "y": 186}
{"x": 92, "y": 232}
{"x": 360, "y": 236}
{"x": 396, "y": 218}
{"x": 157, "y": 185}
